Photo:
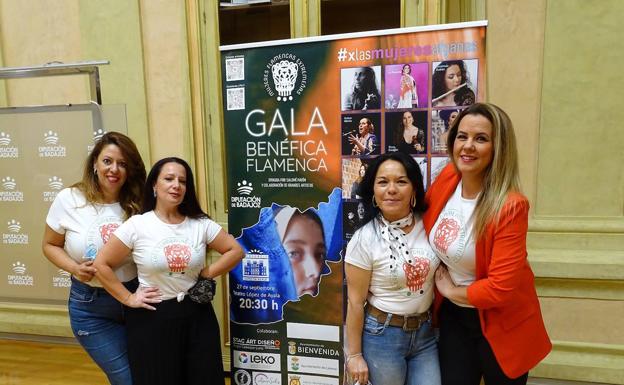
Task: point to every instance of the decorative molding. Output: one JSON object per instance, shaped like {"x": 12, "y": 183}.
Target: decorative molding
{"x": 579, "y": 361}
{"x": 611, "y": 290}
{"x": 28, "y": 318}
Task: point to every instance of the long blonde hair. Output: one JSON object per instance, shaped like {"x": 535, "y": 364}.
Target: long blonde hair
{"x": 502, "y": 175}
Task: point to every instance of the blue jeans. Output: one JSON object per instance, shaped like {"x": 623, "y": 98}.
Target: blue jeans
{"x": 398, "y": 357}
{"x": 97, "y": 320}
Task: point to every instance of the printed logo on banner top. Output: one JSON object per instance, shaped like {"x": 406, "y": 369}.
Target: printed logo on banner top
{"x": 51, "y": 147}
{"x": 11, "y": 192}
{"x": 287, "y": 71}
{"x": 20, "y": 277}
{"x": 61, "y": 279}
{"x": 14, "y": 236}
{"x": 6, "y": 150}
{"x": 55, "y": 184}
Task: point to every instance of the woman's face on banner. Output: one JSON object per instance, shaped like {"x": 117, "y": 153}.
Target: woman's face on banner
{"x": 452, "y": 117}
{"x": 362, "y": 171}
{"x": 407, "y": 69}
{"x": 408, "y": 119}
{"x": 363, "y": 127}
{"x": 306, "y": 251}
{"x": 453, "y": 77}
{"x": 360, "y": 210}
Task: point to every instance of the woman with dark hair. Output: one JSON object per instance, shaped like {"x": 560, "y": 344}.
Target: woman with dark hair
{"x": 171, "y": 338}
{"x": 390, "y": 279}
{"x": 355, "y": 186}
{"x": 451, "y": 85}
{"x": 364, "y": 93}
{"x": 365, "y": 143}
{"x": 408, "y": 97}
{"x": 408, "y": 138}
{"x": 491, "y": 325}
{"x": 80, "y": 221}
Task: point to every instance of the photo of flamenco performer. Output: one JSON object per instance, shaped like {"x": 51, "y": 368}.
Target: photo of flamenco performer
{"x": 361, "y": 134}
{"x": 353, "y": 170}
{"x": 286, "y": 256}
{"x": 360, "y": 88}
{"x": 440, "y": 124}
{"x": 353, "y": 218}
{"x": 453, "y": 83}
{"x": 406, "y": 132}
{"x": 405, "y": 85}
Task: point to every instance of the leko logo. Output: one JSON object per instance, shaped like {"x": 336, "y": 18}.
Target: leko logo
{"x": 243, "y": 358}
{"x": 285, "y": 70}
{"x": 178, "y": 257}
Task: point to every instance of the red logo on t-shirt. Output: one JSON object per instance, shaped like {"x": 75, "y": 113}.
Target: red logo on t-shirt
{"x": 106, "y": 231}
{"x": 446, "y": 233}
{"x": 178, "y": 256}
{"x": 416, "y": 274}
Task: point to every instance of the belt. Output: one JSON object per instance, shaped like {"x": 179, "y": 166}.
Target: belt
{"x": 407, "y": 322}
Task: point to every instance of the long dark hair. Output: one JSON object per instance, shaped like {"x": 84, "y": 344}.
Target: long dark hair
{"x": 132, "y": 190}
{"x": 190, "y": 205}
{"x": 368, "y": 183}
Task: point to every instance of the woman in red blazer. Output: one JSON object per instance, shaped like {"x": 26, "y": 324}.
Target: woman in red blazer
{"x": 490, "y": 321}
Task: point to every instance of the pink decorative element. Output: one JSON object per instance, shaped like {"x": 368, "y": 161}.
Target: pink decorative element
{"x": 106, "y": 230}
{"x": 178, "y": 256}
{"x": 416, "y": 273}
{"x": 446, "y": 233}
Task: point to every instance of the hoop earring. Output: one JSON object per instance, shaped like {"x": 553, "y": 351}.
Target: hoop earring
{"x": 413, "y": 200}
{"x": 374, "y": 203}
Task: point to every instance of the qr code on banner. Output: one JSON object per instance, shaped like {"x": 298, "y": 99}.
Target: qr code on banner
{"x": 235, "y": 98}
{"x": 235, "y": 69}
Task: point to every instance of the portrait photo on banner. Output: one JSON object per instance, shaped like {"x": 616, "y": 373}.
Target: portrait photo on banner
{"x": 406, "y": 131}
{"x": 405, "y": 85}
{"x": 454, "y": 82}
{"x": 361, "y": 134}
{"x": 360, "y": 88}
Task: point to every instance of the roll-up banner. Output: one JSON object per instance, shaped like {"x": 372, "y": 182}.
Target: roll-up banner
{"x": 302, "y": 120}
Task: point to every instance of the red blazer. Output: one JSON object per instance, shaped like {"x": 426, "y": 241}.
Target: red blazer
{"x": 504, "y": 290}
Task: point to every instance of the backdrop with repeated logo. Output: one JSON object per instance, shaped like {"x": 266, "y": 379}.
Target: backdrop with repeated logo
{"x": 42, "y": 151}
{"x": 293, "y": 111}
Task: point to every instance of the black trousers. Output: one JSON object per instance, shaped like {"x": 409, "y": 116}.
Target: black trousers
{"x": 465, "y": 354}
{"x": 178, "y": 344}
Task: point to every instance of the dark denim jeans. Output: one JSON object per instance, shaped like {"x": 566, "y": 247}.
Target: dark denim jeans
{"x": 97, "y": 320}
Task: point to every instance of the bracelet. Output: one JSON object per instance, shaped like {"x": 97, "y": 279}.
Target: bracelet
{"x": 350, "y": 356}
{"x": 127, "y": 298}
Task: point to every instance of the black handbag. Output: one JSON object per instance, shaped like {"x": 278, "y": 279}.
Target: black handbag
{"x": 203, "y": 291}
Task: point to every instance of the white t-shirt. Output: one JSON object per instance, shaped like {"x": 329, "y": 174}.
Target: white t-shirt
{"x": 451, "y": 238}
{"x": 390, "y": 289}
{"x": 87, "y": 227}
{"x": 168, "y": 256}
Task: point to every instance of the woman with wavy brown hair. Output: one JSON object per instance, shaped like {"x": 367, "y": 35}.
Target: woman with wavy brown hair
{"x": 80, "y": 221}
